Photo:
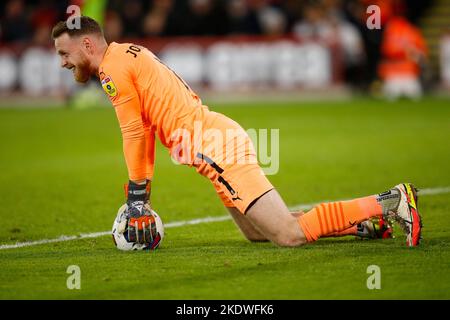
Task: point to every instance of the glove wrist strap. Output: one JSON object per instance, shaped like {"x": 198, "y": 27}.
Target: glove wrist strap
{"x": 137, "y": 192}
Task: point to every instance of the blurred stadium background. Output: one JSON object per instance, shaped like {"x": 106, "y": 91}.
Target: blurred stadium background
{"x": 308, "y": 68}
{"x": 240, "y": 49}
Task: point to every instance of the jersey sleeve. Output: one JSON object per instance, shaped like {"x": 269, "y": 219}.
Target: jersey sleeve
{"x": 119, "y": 85}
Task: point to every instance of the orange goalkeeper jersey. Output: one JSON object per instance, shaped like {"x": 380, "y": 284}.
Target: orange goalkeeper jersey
{"x": 149, "y": 98}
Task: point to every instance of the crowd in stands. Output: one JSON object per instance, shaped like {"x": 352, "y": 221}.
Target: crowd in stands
{"x": 30, "y": 21}
{"x": 23, "y": 20}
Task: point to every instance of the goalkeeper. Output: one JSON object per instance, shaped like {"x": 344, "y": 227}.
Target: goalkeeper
{"x": 151, "y": 100}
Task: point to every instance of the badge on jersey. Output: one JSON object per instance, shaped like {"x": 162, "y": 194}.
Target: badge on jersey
{"x": 109, "y": 87}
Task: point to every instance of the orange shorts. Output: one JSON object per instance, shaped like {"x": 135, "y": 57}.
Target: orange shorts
{"x": 230, "y": 163}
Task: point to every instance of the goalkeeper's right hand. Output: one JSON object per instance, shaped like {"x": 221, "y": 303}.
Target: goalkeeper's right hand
{"x": 141, "y": 222}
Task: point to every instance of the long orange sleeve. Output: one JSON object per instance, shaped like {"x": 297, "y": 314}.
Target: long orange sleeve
{"x": 138, "y": 140}
{"x": 134, "y": 140}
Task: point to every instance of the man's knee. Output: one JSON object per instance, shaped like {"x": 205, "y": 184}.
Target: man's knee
{"x": 255, "y": 238}
{"x": 289, "y": 239}
{"x": 271, "y": 215}
{"x": 289, "y": 233}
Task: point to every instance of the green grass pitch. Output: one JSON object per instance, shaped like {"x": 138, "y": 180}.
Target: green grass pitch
{"x": 62, "y": 173}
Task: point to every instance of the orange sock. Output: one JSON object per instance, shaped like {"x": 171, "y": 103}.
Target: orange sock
{"x": 347, "y": 232}
{"x": 328, "y": 218}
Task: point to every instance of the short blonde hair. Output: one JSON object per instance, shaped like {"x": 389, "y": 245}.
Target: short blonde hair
{"x": 87, "y": 26}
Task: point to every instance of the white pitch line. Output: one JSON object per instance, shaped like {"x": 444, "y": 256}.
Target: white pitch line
{"x": 175, "y": 224}
{"x": 433, "y": 191}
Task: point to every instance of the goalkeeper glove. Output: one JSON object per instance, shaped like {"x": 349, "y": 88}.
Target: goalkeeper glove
{"x": 141, "y": 222}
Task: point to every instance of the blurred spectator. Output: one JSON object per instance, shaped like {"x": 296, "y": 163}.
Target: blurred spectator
{"x": 326, "y": 21}
{"x": 292, "y": 10}
{"x": 113, "y": 28}
{"x": 404, "y": 53}
{"x": 272, "y": 21}
{"x": 315, "y": 24}
{"x": 40, "y": 36}
{"x": 204, "y": 17}
{"x": 372, "y": 37}
{"x": 45, "y": 14}
{"x": 42, "y": 20}
{"x": 350, "y": 40}
{"x": 14, "y": 22}
{"x": 132, "y": 18}
{"x": 241, "y": 19}
{"x": 160, "y": 20}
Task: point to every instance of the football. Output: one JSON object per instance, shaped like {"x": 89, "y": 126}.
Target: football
{"x": 120, "y": 232}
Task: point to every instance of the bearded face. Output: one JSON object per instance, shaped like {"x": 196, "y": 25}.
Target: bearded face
{"x": 74, "y": 57}
{"x": 81, "y": 69}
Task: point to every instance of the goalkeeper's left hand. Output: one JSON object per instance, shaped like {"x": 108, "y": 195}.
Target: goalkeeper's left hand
{"x": 141, "y": 222}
